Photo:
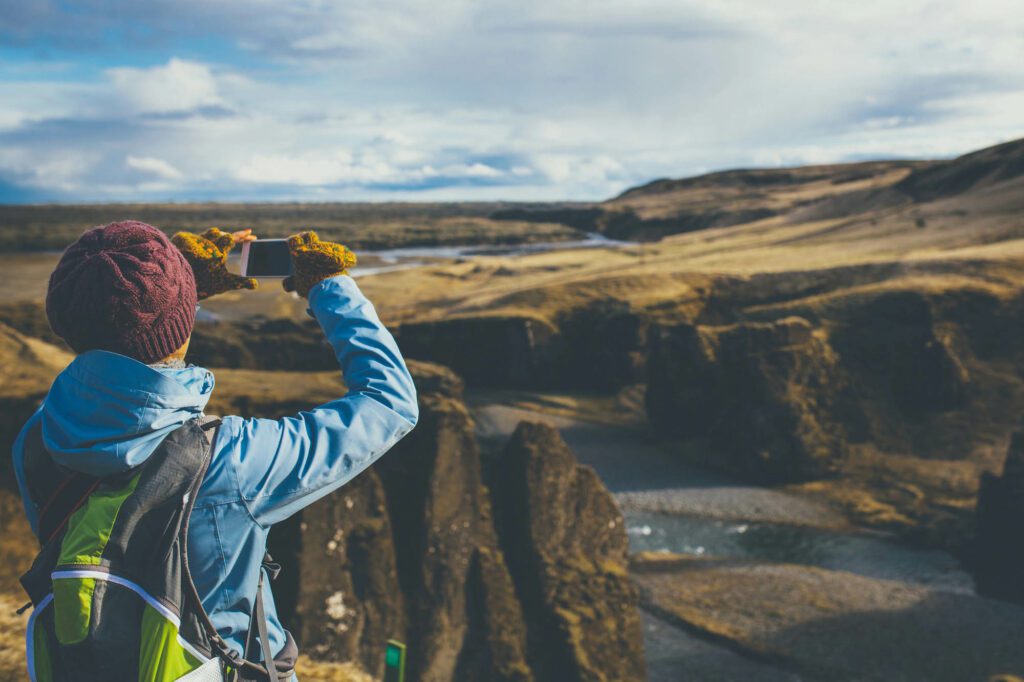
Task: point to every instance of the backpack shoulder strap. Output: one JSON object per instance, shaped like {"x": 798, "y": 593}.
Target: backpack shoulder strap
{"x": 70, "y": 494}
{"x": 246, "y": 668}
{"x": 75, "y": 487}
{"x": 209, "y": 424}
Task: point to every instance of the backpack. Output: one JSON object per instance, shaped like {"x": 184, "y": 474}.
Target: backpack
{"x": 111, "y": 589}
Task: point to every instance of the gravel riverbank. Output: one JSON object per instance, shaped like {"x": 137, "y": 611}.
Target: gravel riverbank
{"x": 777, "y": 586}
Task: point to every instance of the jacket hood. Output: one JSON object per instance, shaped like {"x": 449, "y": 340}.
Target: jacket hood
{"x": 107, "y": 413}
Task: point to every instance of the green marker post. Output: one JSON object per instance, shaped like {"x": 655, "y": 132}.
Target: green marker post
{"x": 394, "y": 662}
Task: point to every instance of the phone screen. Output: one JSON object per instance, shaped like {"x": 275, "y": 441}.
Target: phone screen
{"x": 268, "y": 258}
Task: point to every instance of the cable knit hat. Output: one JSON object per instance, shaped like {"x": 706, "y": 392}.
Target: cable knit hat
{"x": 125, "y": 288}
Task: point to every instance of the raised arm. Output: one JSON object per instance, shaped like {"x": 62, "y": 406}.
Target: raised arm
{"x": 284, "y": 465}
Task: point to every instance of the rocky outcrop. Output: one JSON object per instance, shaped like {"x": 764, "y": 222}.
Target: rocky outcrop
{"x": 762, "y": 394}
{"x": 410, "y": 551}
{"x": 347, "y": 602}
{"x": 566, "y": 546}
{"x": 997, "y": 558}
{"x": 597, "y": 346}
{"x": 782, "y": 391}
{"x": 441, "y": 518}
{"x": 407, "y": 551}
{"x": 485, "y": 351}
{"x": 895, "y": 347}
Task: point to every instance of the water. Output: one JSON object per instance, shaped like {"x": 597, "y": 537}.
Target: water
{"x": 873, "y": 555}
{"x": 672, "y": 506}
{"x": 411, "y": 257}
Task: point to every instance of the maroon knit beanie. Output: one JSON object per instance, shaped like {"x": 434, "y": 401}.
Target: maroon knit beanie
{"x": 125, "y": 288}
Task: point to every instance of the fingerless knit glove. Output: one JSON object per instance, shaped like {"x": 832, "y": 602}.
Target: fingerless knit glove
{"x": 208, "y": 255}
{"x": 314, "y": 261}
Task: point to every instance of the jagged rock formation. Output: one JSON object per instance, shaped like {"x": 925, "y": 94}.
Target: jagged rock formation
{"x": 600, "y": 346}
{"x": 564, "y": 539}
{"x": 782, "y": 390}
{"x": 997, "y": 557}
{"x": 410, "y": 551}
{"x": 348, "y": 601}
{"x": 504, "y": 351}
{"x": 893, "y": 340}
{"x": 761, "y": 393}
{"x": 597, "y": 346}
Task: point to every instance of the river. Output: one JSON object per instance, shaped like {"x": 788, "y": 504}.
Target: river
{"x": 671, "y": 506}
{"x": 389, "y": 260}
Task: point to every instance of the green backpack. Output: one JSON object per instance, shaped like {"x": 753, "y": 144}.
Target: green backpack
{"x": 112, "y": 594}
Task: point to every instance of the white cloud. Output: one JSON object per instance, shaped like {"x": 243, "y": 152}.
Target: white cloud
{"x": 477, "y": 170}
{"x": 527, "y": 99}
{"x": 310, "y": 170}
{"x": 153, "y": 166}
{"x": 179, "y": 85}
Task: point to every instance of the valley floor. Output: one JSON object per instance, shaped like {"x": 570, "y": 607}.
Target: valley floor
{"x": 744, "y": 582}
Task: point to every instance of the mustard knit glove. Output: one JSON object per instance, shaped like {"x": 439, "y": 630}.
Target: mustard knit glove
{"x": 315, "y": 261}
{"x": 207, "y": 253}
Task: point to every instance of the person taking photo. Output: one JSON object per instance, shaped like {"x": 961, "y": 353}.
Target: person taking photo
{"x": 152, "y": 516}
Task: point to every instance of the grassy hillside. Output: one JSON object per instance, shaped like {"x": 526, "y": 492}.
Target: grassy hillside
{"x": 830, "y": 227}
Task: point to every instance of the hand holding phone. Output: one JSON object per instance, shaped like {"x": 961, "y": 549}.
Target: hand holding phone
{"x": 207, "y": 253}
{"x": 315, "y": 260}
{"x": 266, "y": 258}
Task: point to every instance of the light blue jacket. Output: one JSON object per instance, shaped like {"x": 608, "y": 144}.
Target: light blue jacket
{"x": 106, "y": 413}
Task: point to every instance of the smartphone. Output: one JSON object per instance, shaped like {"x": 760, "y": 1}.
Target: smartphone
{"x": 266, "y": 258}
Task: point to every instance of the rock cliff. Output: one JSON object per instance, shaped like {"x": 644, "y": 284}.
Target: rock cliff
{"x": 763, "y": 394}
{"x": 783, "y": 389}
{"x": 564, "y": 539}
{"x": 595, "y": 346}
{"x": 998, "y": 552}
{"x": 411, "y": 551}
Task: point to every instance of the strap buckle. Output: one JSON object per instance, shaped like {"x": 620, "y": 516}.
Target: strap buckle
{"x": 272, "y": 568}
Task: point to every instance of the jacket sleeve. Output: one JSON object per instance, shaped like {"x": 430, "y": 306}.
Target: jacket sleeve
{"x": 284, "y": 465}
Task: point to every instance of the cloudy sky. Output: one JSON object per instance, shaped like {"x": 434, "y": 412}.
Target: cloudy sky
{"x": 455, "y": 99}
